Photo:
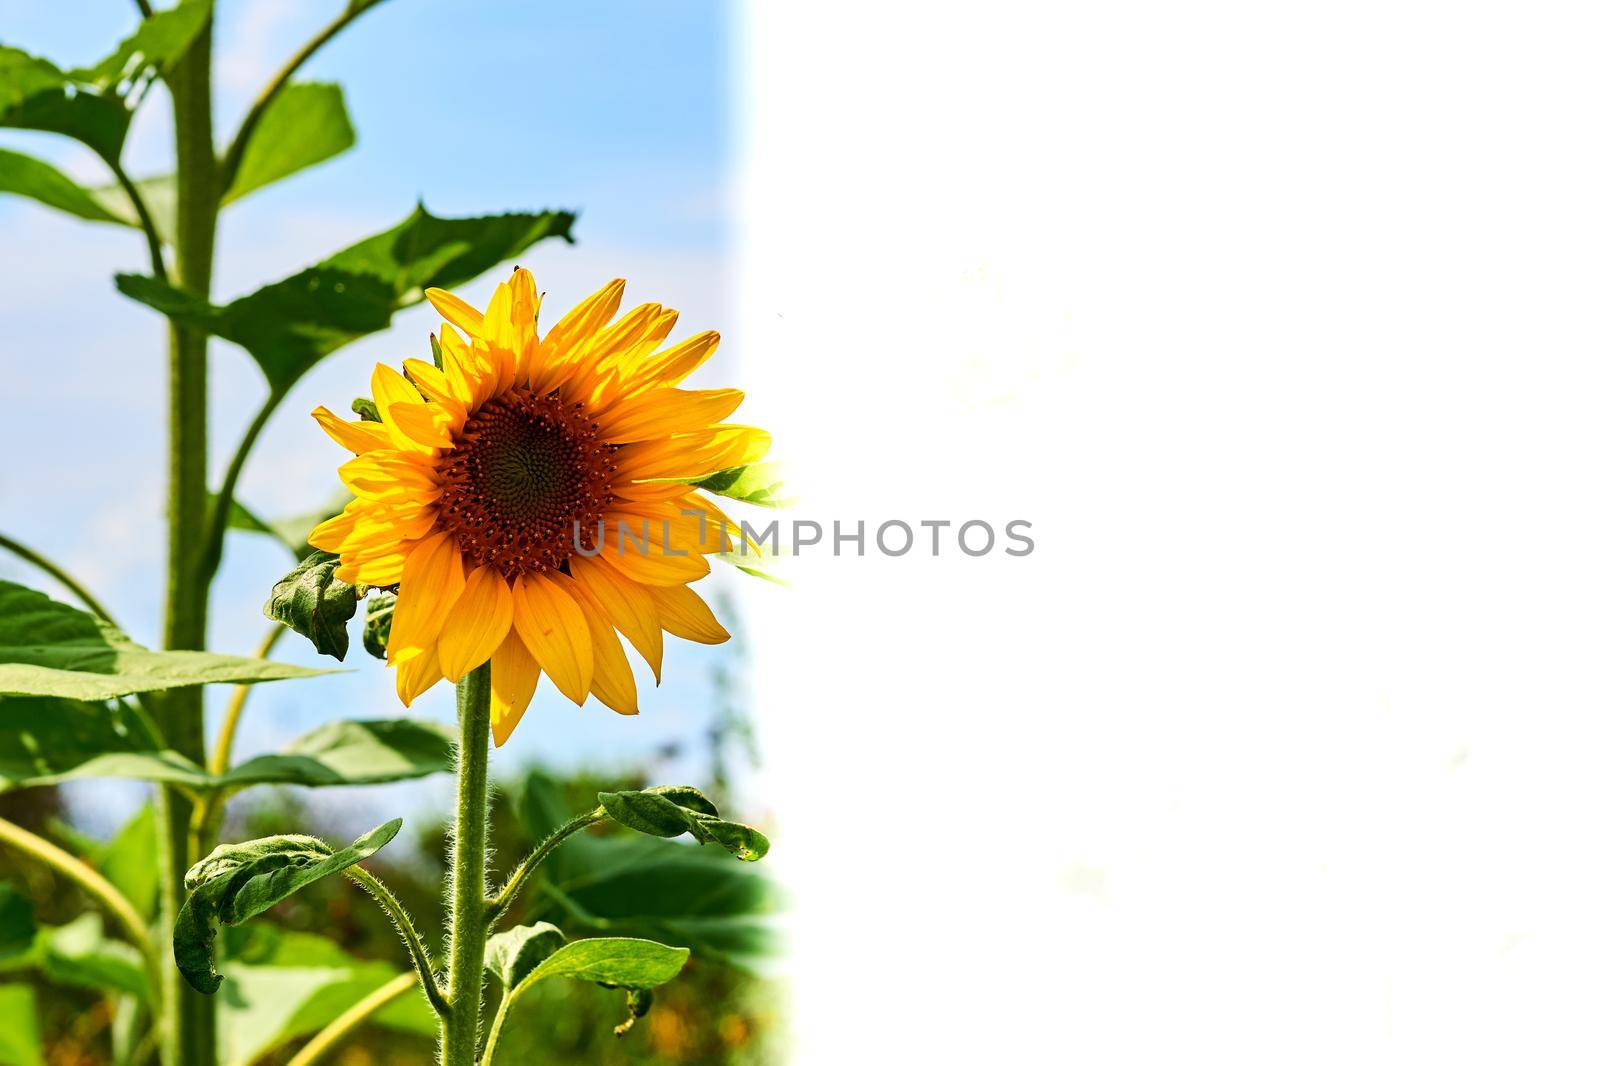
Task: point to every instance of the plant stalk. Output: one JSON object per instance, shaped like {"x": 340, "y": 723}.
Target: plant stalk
{"x": 189, "y": 1020}
{"x": 318, "y": 1047}
{"x": 468, "y": 930}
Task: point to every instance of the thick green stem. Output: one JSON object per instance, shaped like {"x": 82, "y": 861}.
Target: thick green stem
{"x": 468, "y": 930}
{"x": 189, "y": 1035}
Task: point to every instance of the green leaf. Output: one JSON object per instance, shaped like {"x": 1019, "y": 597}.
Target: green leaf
{"x": 292, "y": 324}
{"x": 291, "y": 532}
{"x": 125, "y": 859}
{"x": 236, "y": 882}
{"x": 46, "y": 741}
{"x": 380, "y": 616}
{"x": 80, "y": 954}
{"x": 357, "y": 752}
{"x": 513, "y": 954}
{"x": 720, "y": 909}
{"x": 305, "y": 124}
{"x": 759, "y": 483}
{"x": 34, "y": 95}
{"x": 24, "y": 175}
{"x": 50, "y": 649}
{"x": 160, "y": 196}
{"x": 674, "y": 810}
{"x": 315, "y": 604}
{"x": 159, "y": 40}
{"x": 19, "y": 1027}
{"x": 295, "y": 987}
{"x": 619, "y": 962}
{"x": 16, "y": 922}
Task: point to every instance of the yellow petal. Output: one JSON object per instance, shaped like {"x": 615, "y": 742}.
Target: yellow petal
{"x": 388, "y": 388}
{"x": 437, "y": 387}
{"x": 513, "y": 677}
{"x": 454, "y": 309}
{"x": 358, "y": 437}
{"x": 429, "y": 588}
{"x": 614, "y": 683}
{"x": 424, "y": 423}
{"x": 684, "y": 614}
{"x": 628, "y": 546}
{"x": 417, "y": 675}
{"x": 553, "y": 627}
{"x": 463, "y": 369}
{"x": 625, "y": 604}
{"x": 681, "y": 360}
{"x": 575, "y": 327}
{"x": 331, "y": 534}
{"x": 663, "y": 412}
{"x": 477, "y": 624}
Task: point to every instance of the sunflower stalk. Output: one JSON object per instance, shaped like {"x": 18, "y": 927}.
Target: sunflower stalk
{"x": 468, "y": 860}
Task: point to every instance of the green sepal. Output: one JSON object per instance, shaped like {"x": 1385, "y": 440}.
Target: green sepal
{"x": 366, "y": 409}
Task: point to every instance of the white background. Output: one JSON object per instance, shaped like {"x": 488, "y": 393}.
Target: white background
{"x": 1278, "y": 321}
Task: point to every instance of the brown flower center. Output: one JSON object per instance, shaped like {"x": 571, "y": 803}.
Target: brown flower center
{"x": 525, "y": 473}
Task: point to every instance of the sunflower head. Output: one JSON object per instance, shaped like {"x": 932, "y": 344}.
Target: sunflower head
{"x": 531, "y": 497}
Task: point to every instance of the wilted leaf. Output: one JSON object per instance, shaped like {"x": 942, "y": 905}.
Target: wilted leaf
{"x": 24, "y": 175}
{"x": 236, "y": 882}
{"x": 290, "y": 325}
{"x": 305, "y": 124}
{"x": 315, "y": 604}
{"x": 50, "y": 649}
{"x": 672, "y": 810}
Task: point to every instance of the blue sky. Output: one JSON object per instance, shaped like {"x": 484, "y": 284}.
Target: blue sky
{"x": 617, "y": 109}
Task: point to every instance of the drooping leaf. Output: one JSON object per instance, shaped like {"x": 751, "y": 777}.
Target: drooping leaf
{"x": 24, "y": 175}
{"x": 315, "y": 604}
{"x": 305, "y": 124}
{"x": 16, "y": 922}
{"x": 236, "y": 882}
{"x": 513, "y": 954}
{"x": 50, "y": 649}
{"x": 720, "y": 909}
{"x": 45, "y": 741}
{"x": 671, "y": 811}
{"x": 35, "y": 95}
{"x": 19, "y": 1027}
{"x": 159, "y": 40}
{"x": 618, "y": 962}
{"x": 290, "y": 325}
{"x": 380, "y": 616}
{"x": 759, "y": 483}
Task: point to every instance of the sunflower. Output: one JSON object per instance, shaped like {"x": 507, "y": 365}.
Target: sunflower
{"x": 532, "y": 497}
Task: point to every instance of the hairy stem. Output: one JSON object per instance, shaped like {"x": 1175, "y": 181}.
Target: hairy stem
{"x": 408, "y": 932}
{"x": 189, "y": 1033}
{"x": 503, "y": 899}
{"x": 468, "y": 930}
{"x": 325, "y": 1041}
{"x": 29, "y": 555}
